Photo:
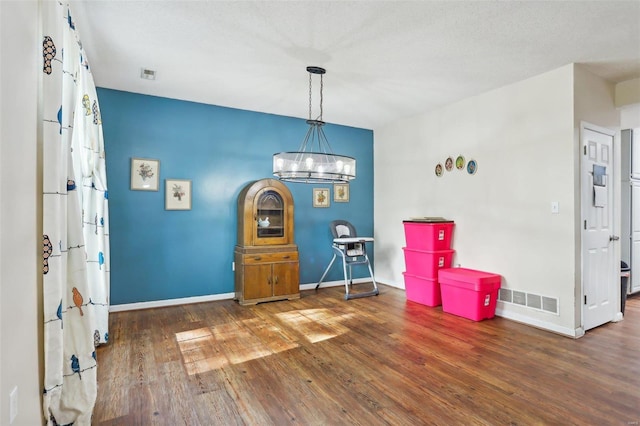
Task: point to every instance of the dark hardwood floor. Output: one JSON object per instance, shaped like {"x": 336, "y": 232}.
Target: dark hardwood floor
{"x": 380, "y": 360}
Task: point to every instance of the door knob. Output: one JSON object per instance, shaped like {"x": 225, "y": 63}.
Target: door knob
{"x": 614, "y": 238}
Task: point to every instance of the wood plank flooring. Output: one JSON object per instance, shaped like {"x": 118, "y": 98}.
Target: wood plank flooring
{"x": 380, "y": 360}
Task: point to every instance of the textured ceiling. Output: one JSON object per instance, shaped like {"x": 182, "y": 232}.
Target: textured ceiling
{"x": 384, "y": 59}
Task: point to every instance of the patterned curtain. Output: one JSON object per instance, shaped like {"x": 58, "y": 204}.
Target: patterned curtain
{"x": 75, "y": 223}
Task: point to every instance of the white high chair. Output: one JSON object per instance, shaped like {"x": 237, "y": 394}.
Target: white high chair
{"x": 353, "y": 251}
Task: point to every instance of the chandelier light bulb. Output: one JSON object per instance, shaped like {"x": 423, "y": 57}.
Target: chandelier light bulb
{"x": 309, "y": 162}
{"x": 339, "y": 165}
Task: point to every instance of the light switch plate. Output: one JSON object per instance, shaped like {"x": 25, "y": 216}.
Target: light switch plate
{"x": 555, "y": 207}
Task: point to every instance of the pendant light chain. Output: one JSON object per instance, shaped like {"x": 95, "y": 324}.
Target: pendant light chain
{"x": 321, "y": 96}
{"x": 321, "y": 87}
{"x": 309, "y": 96}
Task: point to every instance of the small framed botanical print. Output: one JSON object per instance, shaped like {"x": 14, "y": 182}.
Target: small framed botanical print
{"x": 341, "y": 192}
{"x": 177, "y": 194}
{"x": 321, "y": 197}
{"x": 144, "y": 174}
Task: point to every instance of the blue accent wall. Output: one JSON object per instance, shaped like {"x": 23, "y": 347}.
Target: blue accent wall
{"x": 159, "y": 254}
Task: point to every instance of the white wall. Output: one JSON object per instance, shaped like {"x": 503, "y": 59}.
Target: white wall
{"x": 20, "y": 307}
{"x": 627, "y": 92}
{"x": 522, "y": 137}
{"x": 630, "y": 117}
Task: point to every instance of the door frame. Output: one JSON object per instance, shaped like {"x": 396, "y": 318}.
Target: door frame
{"x": 616, "y": 218}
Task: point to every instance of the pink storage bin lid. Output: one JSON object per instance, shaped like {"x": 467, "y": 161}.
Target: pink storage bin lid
{"x": 469, "y": 278}
{"x": 427, "y": 219}
{"x": 409, "y": 274}
{"x": 432, "y": 252}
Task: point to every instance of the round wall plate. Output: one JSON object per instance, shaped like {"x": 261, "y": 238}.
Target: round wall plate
{"x": 472, "y": 167}
{"x": 448, "y": 164}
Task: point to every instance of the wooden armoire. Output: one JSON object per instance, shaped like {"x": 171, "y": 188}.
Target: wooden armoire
{"x": 266, "y": 257}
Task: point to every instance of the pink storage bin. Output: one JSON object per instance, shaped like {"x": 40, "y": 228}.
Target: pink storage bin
{"x": 428, "y": 236}
{"x": 422, "y": 290}
{"x": 469, "y": 293}
{"x": 427, "y": 263}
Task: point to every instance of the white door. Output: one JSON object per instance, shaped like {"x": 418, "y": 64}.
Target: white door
{"x": 599, "y": 271}
{"x": 634, "y": 284}
{"x": 634, "y": 142}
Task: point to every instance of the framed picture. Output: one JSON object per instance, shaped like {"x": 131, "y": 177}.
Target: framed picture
{"x": 177, "y": 194}
{"x": 321, "y": 197}
{"x": 341, "y": 192}
{"x": 145, "y": 173}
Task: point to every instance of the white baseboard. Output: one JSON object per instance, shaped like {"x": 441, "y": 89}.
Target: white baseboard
{"x": 212, "y": 297}
{"x": 169, "y": 302}
{"x": 575, "y": 333}
{"x": 389, "y": 282}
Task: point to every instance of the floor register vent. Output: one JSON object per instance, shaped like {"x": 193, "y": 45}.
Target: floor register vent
{"x": 533, "y": 301}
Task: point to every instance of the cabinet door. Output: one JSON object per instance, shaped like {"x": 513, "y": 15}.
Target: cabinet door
{"x": 257, "y": 281}
{"x": 270, "y": 218}
{"x": 285, "y": 278}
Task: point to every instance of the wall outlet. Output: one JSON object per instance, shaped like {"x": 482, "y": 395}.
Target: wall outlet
{"x": 13, "y": 405}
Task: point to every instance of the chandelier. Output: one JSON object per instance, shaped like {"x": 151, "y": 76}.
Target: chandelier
{"x": 314, "y": 162}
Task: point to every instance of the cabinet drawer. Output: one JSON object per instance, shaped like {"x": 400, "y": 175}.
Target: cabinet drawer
{"x": 270, "y": 257}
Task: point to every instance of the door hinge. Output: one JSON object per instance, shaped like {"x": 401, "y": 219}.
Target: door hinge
{"x": 585, "y": 299}
{"x": 585, "y": 150}
{"x": 585, "y": 224}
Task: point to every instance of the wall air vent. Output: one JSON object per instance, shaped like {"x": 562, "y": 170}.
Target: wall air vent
{"x": 147, "y": 74}
{"x": 505, "y": 295}
{"x": 550, "y": 304}
{"x": 520, "y": 298}
{"x": 532, "y": 301}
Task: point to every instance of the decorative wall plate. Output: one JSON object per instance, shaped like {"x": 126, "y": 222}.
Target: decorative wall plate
{"x": 460, "y": 162}
{"x": 439, "y": 170}
{"x": 472, "y": 167}
{"x": 448, "y": 164}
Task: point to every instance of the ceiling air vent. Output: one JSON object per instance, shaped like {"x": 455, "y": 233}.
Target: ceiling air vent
{"x": 147, "y": 74}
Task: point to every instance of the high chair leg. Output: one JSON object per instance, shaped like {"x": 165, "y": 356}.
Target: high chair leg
{"x": 326, "y": 271}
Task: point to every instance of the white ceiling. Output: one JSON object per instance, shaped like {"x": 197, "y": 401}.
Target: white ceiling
{"x": 384, "y": 59}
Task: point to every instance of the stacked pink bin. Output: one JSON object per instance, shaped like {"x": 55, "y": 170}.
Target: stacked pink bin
{"x": 428, "y": 250}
